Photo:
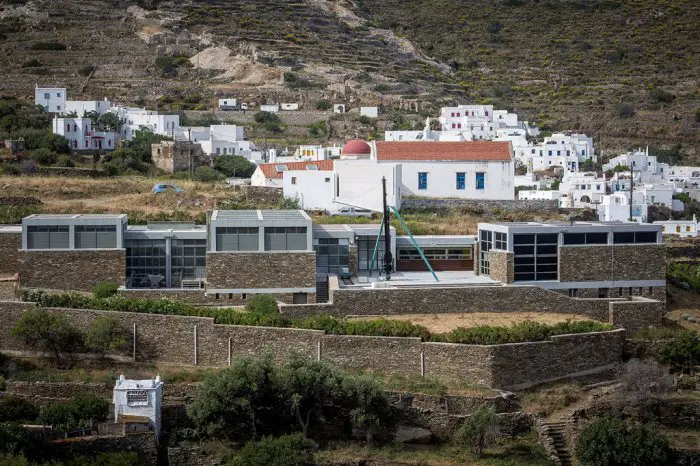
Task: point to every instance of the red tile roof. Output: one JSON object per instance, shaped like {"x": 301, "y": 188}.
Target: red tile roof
{"x": 445, "y": 150}
{"x": 270, "y": 169}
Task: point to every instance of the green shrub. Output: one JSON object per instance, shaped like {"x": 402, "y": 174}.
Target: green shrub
{"x": 207, "y": 174}
{"x": 478, "y": 430}
{"x": 47, "y": 332}
{"x": 82, "y": 411}
{"x": 106, "y": 334}
{"x": 65, "y": 161}
{"x": 519, "y": 332}
{"x": 32, "y": 63}
{"x": 264, "y": 304}
{"x": 14, "y": 438}
{"x": 86, "y": 70}
{"x": 105, "y": 289}
{"x": 288, "y": 450}
{"x": 682, "y": 352}
{"x": 607, "y": 441}
{"x": 234, "y": 166}
{"x": 44, "y": 156}
{"x": 325, "y": 105}
{"x": 266, "y": 117}
{"x": 17, "y": 409}
{"x": 48, "y": 46}
{"x": 624, "y": 110}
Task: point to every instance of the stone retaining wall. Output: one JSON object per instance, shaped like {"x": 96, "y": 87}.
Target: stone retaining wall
{"x": 197, "y": 340}
{"x": 485, "y": 206}
{"x": 610, "y": 263}
{"x": 257, "y": 270}
{"x": 10, "y": 245}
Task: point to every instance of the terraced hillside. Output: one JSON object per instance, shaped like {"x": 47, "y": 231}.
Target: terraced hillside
{"x": 623, "y": 70}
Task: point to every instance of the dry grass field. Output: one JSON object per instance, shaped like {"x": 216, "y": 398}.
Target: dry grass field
{"x": 439, "y": 323}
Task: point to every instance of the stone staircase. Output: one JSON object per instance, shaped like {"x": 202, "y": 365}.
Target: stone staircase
{"x": 556, "y": 429}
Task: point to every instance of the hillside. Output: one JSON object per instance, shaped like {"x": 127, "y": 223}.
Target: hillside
{"x": 565, "y": 64}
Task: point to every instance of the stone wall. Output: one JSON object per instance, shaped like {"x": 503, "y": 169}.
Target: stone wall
{"x": 78, "y": 270}
{"x": 639, "y": 313}
{"x": 255, "y": 270}
{"x": 197, "y": 340}
{"x": 501, "y": 267}
{"x": 484, "y": 206}
{"x": 261, "y": 193}
{"x": 173, "y": 156}
{"x": 142, "y": 443}
{"x": 10, "y": 246}
{"x": 199, "y": 298}
{"x": 613, "y": 262}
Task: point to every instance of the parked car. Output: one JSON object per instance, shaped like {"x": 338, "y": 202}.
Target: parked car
{"x": 350, "y": 212}
{"x": 164, "y": 188}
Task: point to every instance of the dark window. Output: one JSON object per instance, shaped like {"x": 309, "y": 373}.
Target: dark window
{"x": 423, "y": 180}
{"x": 48, "y": 237}
{"x": 480, "y": 180}
{"x": 602, "y": 292}
{"x": 95, "y": 236}
{"x": 285, "y": 239}
{"x": 461, "y": 180}
{"x": 573, "y": 293}
{"x": 237, "y": 239}
{"x": 500, "y": 241}
{"x": 629, "y": 237}
{"x": 485, "y": 245}
{"x": 332, "y": 254}
{"x": 623, "y": 237}
{"x": 189, "y": 260}
{"x": 535, "y": 256}
{"x": 145, "y": 263}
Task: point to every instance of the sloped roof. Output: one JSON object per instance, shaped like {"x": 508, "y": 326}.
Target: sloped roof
{"x": 469, "y": 151}
{"x": 270, "y": 170}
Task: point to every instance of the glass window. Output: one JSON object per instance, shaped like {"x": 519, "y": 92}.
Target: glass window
{"x": 48, "y": 237}
{"x": 285, "y": 238}
{"x": 461, "y": 180}
{"x": 535, "y": 256}
{"x": 237, "y": 239}
{"x": 422, "y": 180}
{"x": 500, "y": 241}
{"x": 188, "y": 260}
{"x": 480, "y": 180}
{"x": 485, "y": 245}
{"x": 145, "y": 263}
{"x": 332, "y": 254}
{"x": 95, "y": 236}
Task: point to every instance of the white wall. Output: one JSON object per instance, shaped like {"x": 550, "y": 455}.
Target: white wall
{"x": 289, "y": 106}
{"x": 270, "y": 108}
{"x": 539, "y": 195}
{"x": 53, "y": 99}
{"x": 258, "y": 179}
{"x": 372, "y": 112}
{"x": 359, "y": 183}
{"x": 80, "y": 134}
{"x": 442, "y": 179}
{"x": 81, "y": 107}
{"x": 313, "y": 188}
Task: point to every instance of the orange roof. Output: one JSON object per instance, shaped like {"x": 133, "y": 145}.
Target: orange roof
{"x": 270, "y": 170}
{"x": 445, "y": 150}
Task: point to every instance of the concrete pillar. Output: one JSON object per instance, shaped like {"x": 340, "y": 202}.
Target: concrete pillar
{"x": 195, "y": 345}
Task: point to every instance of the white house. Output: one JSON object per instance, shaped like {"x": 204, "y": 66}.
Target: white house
{"x": 316, "y": 152}
{"x": 313, "y": 189}
{"x": 138, "y": 400}
{"x": 482, "y": 121}
{"x": 53, "y": 99}
{"x": 81, "y": 136}
{"x": 371, "y": 112}
{"x": 271, "y": 174}
{"x": 359, "y": 183}
{"x": 465, "y": 169}
{"x": 273, "y": 108}
{"x": 135, "y": 118}
{"x": 82, "y": 107}
{"x": 582, "y": 189}
{"x": 682, "y": 228}
{"x": 616, "y": 208}
{"x": 540, "y": 194}
{"x": 564, "y": 150}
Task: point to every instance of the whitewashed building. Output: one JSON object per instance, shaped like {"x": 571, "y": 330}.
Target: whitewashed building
{"x": 540, "y": 195}
{"x": 616, "y": 208}
{"x": 53, "y": 99}
{"x": 313, "y": 189}
{"x": 271, "y": 108}
{"x": 682, "y": 228}
{"x": 138, "y": 401}
{"x": 289, "y": 107}
{"x": 565, "y": 150}
{"x": 359, "y": 183}
{"x": 482, "y": 121}
{"x": 271, "y": 174}
{"x": 582, "y": 189}
{"x": 134, "y": 119}
{"x": 83, "y": 107}
{"x": 81, "y": 136}
{"x": 316, "y": 152}
{"x": 371, "y": 112}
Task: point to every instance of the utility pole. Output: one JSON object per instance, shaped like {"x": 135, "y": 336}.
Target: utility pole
{"x": 387, "y": 233}
{"x": 189, "y": 150}
{"x": 631, "y": 190}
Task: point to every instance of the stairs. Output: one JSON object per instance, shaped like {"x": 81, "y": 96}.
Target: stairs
{"x": 322, "y": 289}
{"x": 556, "y": 429}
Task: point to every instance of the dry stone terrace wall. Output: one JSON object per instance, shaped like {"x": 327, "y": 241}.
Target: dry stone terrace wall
{"x": 637, "y": 314}
{"x": 199, "y": 298}
{"x": 10, "y": 245}
{"x": 488, "y": 206}
{"x": 197, "y": 340}
{"x": 78, "y": 270}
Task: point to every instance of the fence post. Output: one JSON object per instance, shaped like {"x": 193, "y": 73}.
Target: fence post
{"x": 318, "y": 350}
{"x": 422, "y": 364}
{"x": 133, "y": 350}
{"x": 229, "y": 351}
{"x": 195, "y": 345}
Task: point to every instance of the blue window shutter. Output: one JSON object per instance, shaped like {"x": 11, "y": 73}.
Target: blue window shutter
{"x": 461, "y": 180}
{"x": 480, "y": 180}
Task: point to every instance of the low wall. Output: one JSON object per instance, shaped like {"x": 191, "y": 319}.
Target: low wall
{"x": 143, "y": 444}
{"x": 490, "y": 206}
{"x": 10, "y": 245}
{"x": 639, "y": 313}
{"x": 198, "y": 341}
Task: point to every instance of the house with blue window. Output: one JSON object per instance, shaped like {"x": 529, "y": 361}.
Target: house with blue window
{"x": 451, "y": 169}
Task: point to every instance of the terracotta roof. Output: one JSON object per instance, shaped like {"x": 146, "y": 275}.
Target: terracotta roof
{"x": 448, "y": 150}
{"x": 270, "y": 169}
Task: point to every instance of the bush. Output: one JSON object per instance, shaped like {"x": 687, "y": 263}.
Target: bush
{"x": 48, "y": 46}
{"x": 683, "y": 352}
{"x": 207, "y": 174}
{"x": 660, "y": 95}
{"x": 264, "y": 304}
{"x": 86, "y": 70}
{"x": 325, "y": 105}
{"x": 17, "y": 409}
{"x": 65, "y": 161}
{"x": 32, "y": 63}
{"x": 47, "y": 332}
{"x": 105, "y": 289}
{"x": 14, "y": 438}
{"x": 520, "y": 332}
{"x": 44, "y": 156}
{"x": 106, "y": 334}
{"x": 234, "y": 165}
{"x": 624, "y": 110}
{"x": 613, "y": 442}
{"x": 288, "y": 450}
{"x": 478, "y": 430}
{"x": 266, "y": 117}
{"x": 81, "y": 412}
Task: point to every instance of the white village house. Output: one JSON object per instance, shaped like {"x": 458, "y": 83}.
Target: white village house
{"x": 271, "y": 174}
{"x": 682, "y": 228}
{"x": 80, "y": 134}
{"x": 138, "y": 401}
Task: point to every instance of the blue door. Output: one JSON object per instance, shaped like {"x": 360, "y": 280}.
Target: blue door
{"x": 422, "y": 180}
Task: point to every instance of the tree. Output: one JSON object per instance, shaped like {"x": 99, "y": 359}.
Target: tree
{"x": 621, "y": 168}
{"x": 288, "y": 450}
{"x": 206, "y": 174}
{"x": 640, "y": 380}
{"x": 14, "y": 438}
{"x": 613, "y": 442}
{"x": 237, "y": 401}
{"x": 15, "y": 408}
{"x": 81, "y": 411}
{"x": 44, "y": 331}
{"x": 262, "y": 304}
{"x": 234, "y": 165}
{"x": 682, "y": 352}
{"x": 106, "y": 334}
{"x": 108, "y": 121}
{"x": 323, "y": 105}
{"x": 372, "y": 412}
{"x": 266, "y": 117}
{"x": 309, "y": 388}
{"x": 44, "y": 156}
{"x": 478, "y": 430}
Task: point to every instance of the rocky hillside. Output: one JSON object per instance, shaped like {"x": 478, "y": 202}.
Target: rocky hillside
{"x": 623, "y": 70}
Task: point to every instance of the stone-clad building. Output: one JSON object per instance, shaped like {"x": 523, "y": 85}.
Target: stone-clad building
{"x": 581, "y": 259}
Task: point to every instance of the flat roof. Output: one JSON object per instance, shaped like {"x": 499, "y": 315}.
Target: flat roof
{"x": 76, "y": 216}
{"x": 561, "y": 226}
{"x": 436, "y": 240}
{"x": 260, "y": 215}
